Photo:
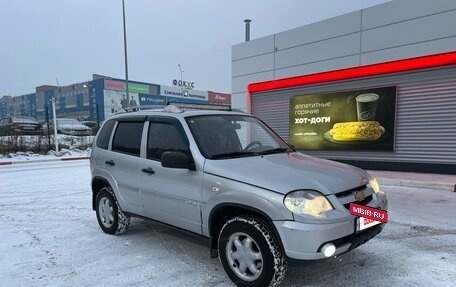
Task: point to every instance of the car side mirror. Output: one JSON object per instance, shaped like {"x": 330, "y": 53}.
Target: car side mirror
{"x": 177, "y": 159}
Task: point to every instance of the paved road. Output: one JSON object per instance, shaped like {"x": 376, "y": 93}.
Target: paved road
{"x": 50, "y": 237}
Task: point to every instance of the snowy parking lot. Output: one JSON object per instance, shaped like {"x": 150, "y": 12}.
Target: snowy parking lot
{"x": 50, "y": 237}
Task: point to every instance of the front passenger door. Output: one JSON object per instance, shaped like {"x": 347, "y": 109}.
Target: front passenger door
{"x": 170, "y": 195}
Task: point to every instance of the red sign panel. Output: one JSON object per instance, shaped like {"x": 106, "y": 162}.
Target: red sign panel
{"x": 369, "y": 212}
{"x": 219, "y": 98}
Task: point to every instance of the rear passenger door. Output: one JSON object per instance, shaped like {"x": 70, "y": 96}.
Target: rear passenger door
{"x": 124, "y": 165}
{"x": 170, "y": 195}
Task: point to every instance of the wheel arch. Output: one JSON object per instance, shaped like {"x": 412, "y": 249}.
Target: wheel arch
{"x": 221, "y": 213}
{"x": 97, "y": 184}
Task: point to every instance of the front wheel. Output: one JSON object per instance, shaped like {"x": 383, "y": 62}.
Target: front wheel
{"x": 250, "y": 254}
{"x": 110, "y": 217}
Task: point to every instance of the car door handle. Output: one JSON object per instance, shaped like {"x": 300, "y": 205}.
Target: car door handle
{"x": 110, "y": 162}
{"x": 148, "y": 170}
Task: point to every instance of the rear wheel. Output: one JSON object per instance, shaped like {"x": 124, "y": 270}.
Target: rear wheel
{"x": 109, "y": 214}
{"x": 250, "y": 253}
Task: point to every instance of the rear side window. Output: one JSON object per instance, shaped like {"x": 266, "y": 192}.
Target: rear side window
{"x": 105, "y": 135}
{"x": 127, "y": 138}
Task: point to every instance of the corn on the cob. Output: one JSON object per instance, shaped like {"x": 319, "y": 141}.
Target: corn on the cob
{"x": 357, "y": 131}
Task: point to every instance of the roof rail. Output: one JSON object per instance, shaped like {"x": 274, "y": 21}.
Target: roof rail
{"x": 186, "y": 106}
{"x": 180, "y": 106}
{"x": 144, "y": 107}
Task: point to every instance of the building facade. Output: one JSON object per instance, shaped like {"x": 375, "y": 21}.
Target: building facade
{"x": 392, "y": 66}
{"x": 101, "y": 97}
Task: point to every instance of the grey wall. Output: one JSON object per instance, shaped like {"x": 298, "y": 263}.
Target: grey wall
{"x": 394, "y": 30}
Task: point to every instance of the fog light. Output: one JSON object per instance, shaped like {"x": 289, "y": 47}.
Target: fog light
{"x": 328, "y": 249}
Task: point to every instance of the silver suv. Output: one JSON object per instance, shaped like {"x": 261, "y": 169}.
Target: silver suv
{"x": 227, "y": 176}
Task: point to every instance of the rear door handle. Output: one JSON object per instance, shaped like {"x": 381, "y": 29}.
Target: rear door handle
{"x": 148, "y": 170}
{"x": 110, "y": 162}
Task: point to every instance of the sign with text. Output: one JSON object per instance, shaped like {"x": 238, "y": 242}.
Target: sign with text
{"x": 132, "y": 87}
{"x": 352, "y": 120}
{"x": 177, "y": 92}
{"x": 148, "y": 100}
{"x": 369, "y": 212}
{"x": 219, "y": 98}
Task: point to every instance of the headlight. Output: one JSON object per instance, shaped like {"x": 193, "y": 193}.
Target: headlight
{"x": 374, "y": 184}
{"x": 307, "y": 202}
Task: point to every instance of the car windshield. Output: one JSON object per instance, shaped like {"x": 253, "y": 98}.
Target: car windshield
{"x": 23, "y": 120}
{"x": 67, "y": 122}
{"x": 229, "y": 136}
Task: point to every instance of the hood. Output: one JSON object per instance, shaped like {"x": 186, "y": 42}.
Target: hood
{"x": 283, "y": 172}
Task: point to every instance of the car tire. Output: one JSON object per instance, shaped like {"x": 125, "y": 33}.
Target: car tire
{"x": 250, "y": 253}
{"x": 110, "y": 216}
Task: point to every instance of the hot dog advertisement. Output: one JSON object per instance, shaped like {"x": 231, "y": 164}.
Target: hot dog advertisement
{"x": 348, "y": 120}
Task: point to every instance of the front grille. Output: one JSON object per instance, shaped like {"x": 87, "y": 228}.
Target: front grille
{"x": 348, "y": 196}
{"x": 351, "y": 191}
{"x": 363, "y": 202}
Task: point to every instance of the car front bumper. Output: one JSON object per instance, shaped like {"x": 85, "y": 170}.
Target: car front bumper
{"x": 304, "y": 241}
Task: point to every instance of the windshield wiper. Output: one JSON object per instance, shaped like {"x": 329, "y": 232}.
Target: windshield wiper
{"x": 276, "y": 150}
{"x": 234, "y": 154}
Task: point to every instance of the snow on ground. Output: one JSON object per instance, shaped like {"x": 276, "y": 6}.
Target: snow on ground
{"x": 69, "y": 146}
{"x": 33, "y": 157}
{"x": 50, "y": 237}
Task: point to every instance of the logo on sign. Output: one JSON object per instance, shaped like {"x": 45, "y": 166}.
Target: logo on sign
{"x": 185, "y": 84}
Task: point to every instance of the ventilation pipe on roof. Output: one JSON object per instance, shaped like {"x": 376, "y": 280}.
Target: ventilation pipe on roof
{"x": 247, "y": 29}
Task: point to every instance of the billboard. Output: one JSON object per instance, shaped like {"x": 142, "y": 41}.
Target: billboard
{"x": 115, "y": 101}
{"x": 349, "y": 120}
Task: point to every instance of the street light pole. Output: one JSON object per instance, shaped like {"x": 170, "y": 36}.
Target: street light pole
{"x": 56, "y": 141}
{"x": 125, "y": 50}
{"x": 181, "y": 82}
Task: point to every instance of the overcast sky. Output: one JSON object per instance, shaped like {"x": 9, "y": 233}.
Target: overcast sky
{"x": 42, "y": 40}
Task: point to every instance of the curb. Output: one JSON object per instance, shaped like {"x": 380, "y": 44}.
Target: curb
{"x": 44, "y": 160}
{"x": 417, "y": 184}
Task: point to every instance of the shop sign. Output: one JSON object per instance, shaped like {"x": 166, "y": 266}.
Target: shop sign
{"x": 147, "y": 100}
{"x": 184, "y": 84}
{"x": 132, "y": 87}
{"x": 180, "y": 92}
{"x": 219, "y": 98}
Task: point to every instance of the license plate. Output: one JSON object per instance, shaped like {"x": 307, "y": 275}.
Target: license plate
{"x": 369, "y": 212}
{"x": 368, "y": 216}
{"x": 364, "y": 223}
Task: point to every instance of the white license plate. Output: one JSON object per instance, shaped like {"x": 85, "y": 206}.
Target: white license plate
{"x": 364, "y": 223}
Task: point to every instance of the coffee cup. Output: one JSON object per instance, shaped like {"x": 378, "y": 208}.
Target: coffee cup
{"x": 366, "y": 106}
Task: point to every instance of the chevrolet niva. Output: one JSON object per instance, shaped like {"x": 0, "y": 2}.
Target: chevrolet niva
{"x": 227, "y": 176}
